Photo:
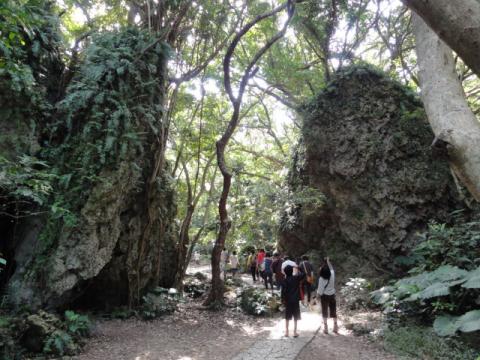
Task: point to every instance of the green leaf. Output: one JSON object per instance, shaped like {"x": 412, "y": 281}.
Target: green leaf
{"x": 445, "y": 325}
{"x": 473, "y": 279}
{"x": 448, "y": 325}
{"x": 435, "y": 290}
{"x": 469, "y": 322}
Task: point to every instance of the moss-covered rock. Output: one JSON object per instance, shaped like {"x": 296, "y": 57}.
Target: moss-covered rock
{"x": 108, "y": 233}
{"x": 366, "y": 145}
{"x": 40, "y": 327}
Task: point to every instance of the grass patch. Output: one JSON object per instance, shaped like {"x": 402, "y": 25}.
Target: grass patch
{"x": 423, "y": 343}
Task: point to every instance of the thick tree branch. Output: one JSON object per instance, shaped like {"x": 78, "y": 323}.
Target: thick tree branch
{"x": 455, "y": 22}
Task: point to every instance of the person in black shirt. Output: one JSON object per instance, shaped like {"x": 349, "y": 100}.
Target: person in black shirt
{"x": 291, "y": 297}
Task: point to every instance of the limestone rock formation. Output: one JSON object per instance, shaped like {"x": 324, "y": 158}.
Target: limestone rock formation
{"x": 366, "y": 145}
{"x": 107, "y": 232}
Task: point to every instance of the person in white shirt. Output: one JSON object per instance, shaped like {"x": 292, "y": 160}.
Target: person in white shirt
{"x": 286, "y": 262}
{"x": 234, "y": 263}
{"x": 326, "y": 291}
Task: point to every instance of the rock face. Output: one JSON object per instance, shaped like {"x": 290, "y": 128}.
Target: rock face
{"x": 109, "y": 232}
{"x": 366, "y": 145}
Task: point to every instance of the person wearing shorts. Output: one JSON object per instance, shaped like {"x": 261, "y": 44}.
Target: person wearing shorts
{"x": 326, "y": 291}
{"x": 291, "y": 297}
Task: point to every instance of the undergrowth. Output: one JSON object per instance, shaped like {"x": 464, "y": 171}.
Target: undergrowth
{"x": 423, "y": 343}
{"x": 259, "y": 302}
{"x": 444, "y": 283}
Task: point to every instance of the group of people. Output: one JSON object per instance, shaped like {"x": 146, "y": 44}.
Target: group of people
{"x": 296, "y": 280}
{"x": 229, "y": 263}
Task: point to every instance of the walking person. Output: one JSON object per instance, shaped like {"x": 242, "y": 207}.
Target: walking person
{"x": 326, "y": 290}
{"x": 260, "y": 265}
{"x": 267, "y": 272}
{"x": 252, "y": 265}
{"x": 233, "y": 263}
{"x": 307, "y": 268}
{"x": 287, "y": 261}
{"x": 291, "y": 297}
{"x": 278, "y": 275}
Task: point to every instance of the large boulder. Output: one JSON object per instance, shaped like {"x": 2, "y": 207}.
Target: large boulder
{"x": 108, "y": 232}
{"x": 367, "y": 147}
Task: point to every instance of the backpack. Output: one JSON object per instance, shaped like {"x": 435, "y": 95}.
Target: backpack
{"x": 268, "y": 265}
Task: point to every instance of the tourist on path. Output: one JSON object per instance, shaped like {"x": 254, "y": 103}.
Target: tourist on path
{"x": 252, "y": 265}
{"x": 196, "y": 257}
{"x": 307, "y": 268}
{"x": 278, "y": 275}
{"x": 233, "y": 263}
{"x": 260, "y": 258}
{"x": 291, "y": 296}
{"x": 288, "y": 262}
{"x": 267, "y": 272}
{"x": 326, "y": 291}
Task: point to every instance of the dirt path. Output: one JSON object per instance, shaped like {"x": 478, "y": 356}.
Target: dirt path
{"x": 193, "y": 333}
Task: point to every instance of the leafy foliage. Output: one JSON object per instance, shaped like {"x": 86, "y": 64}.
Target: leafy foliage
{"x": 356, "y": 293}
{"x": 30, "y": 67}
{"x": 449, "y": 325}
{"x": 60, "y": 343}
{"x": 158, "y": 302}
{"x": 259, "y": 302}
{"x": 195, "y": 287}
{"x": 438, "y": 286}
{"x": 66, "y": 339}
{"x": 457, "y": 245}
{"x": 420, "y": 342}
{"x": 77, "y": 324}
{"x": 28, "y": 179}
{"x": 103, "y": 122}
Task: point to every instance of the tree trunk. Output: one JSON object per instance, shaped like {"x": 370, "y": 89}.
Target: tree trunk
{"x": 451, "y": 119}
{"x": 455, "y": 22}
{"x": 183, "y": 241}
{"x": 215, "y": 297}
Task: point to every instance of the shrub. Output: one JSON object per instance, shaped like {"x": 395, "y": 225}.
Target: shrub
{"x": 60, "y": 343}
{"x": 356, "y": 293}
{"x": 457, "y": 245}
{"x": 445, "y": 281}
{"x": 259, "y": 302}
{"x": 421, "y": 342}
{"x": 78, "y": 325}
{"x": 447, "y": 290}
{"x": 158, "y": 302}
{"x": 194, "y": 287}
